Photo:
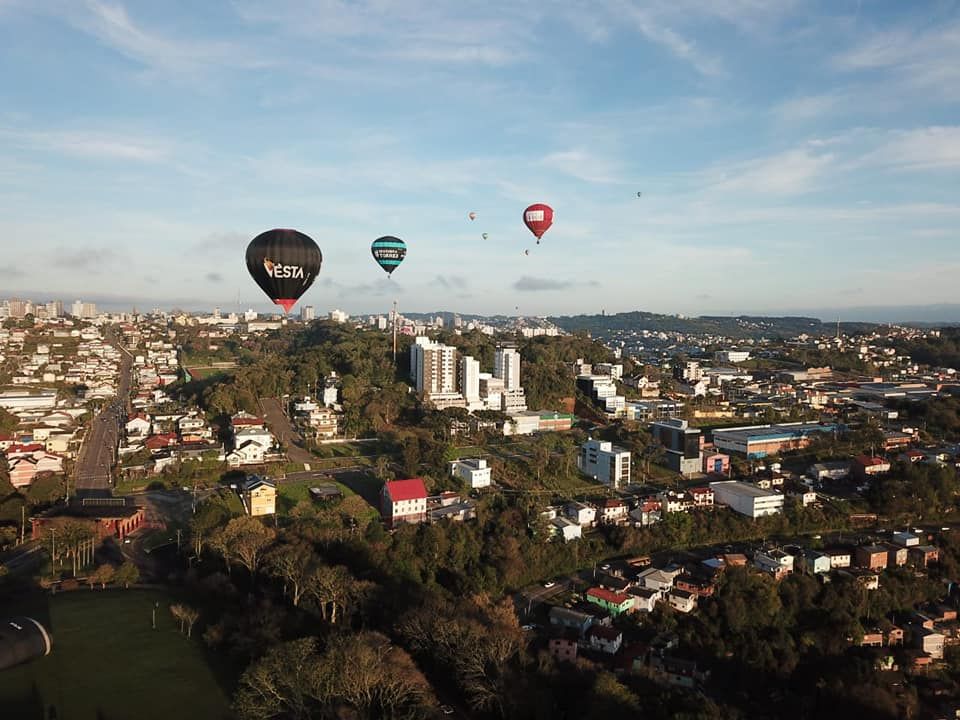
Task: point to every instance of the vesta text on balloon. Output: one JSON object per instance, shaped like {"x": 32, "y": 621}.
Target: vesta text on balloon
{"x": 278, "y": 270}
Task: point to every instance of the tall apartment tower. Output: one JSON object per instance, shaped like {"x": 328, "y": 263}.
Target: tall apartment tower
{"x": 470, "y": 379}
{"x": 506, "y": 366}
{"x": 433, "y": 367}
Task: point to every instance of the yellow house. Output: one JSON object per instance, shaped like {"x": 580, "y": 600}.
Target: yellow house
{"x": 259, "y": 496}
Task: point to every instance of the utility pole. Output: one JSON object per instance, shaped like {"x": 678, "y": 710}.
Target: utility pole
{"x": 394, "y": 333}
{"x": 179, "y": 533}
{"x": 23, "y": 523}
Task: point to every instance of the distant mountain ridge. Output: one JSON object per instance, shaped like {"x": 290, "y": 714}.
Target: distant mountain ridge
{"x": 739, "y": 326}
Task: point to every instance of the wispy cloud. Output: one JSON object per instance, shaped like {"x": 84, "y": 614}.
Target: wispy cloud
{"x": 926, "y": 59}
{"x": 683, "y": 48}
{"x": 152, "y": 48}
{"x": 930, "y": 148}
{"x": 91, "y": 144}
{"x": 787, "y": 173}
{"x": 583, "y": 165}
{"x": 493, "y": 35}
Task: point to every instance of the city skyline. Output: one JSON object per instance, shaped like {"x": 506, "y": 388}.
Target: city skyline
{"x": 789, "y": 155}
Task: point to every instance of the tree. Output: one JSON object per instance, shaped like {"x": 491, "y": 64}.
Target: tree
{"x": 101, "y": 576}
{"x": 127, "y": 574}
{"x": 186, "y": 615}
{"x": 292, "y": 563}
{"x": 362, "y": 673}
{"x": 288, "y": 682}
{"x": 244, "y": 540}
{"x": 382, "y": 470}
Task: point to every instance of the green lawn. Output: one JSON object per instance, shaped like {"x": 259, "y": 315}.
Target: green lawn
{"x": 108, "y": 663}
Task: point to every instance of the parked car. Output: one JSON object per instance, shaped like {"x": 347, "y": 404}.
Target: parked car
{"x": 549, "y": 584}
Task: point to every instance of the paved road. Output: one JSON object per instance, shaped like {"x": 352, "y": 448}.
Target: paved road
{"x": 99, "y": 450}
{"x": 281, "y": 426}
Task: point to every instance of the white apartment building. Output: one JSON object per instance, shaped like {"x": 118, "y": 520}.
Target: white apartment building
{"x": 605, "y": 462}
{"x": 470, "y": 380}
{"x": 432, "y": 367}
{"x": 506, "y": 366}
{"x": 747, "y": 499}
{"x": 307, "y": 313}
{"x": 473, "y": 470}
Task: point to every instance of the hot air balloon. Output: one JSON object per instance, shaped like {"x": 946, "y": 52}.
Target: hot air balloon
{"x": 485, "y": 236}
{"x": 538, "y": 218}
{"x": 472, "y": 215}
{"x": 639, "y": 194}
{"x": 526, "y": 252}
{"x": 389, "y": 252}
{"x": 284, "y": 263}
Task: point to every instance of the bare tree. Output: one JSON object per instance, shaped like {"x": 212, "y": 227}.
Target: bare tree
{"x": 292, "y": 563}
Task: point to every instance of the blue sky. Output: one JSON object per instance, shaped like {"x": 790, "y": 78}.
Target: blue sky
{"x": 791, "y": 154}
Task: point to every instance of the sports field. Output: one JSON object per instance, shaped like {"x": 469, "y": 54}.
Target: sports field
{"x": 107, "y": 663}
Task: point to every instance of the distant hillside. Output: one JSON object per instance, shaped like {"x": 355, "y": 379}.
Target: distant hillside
{"x": 741, "y": 326}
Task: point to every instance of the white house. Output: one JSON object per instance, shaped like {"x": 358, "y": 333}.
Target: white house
{"x": 138, "y": 426}
{"x": 566, "y": 529}
{"x": 604, "y": 639}
{"x": 256, "y": 434}
{"x": 250, "y": 452}
{"x": 472, "y": 470}
{"x": 682, "y": 601}
{"x": 645, "y": 599}
{"x": 658, "y": 579}
{"x": 612, "y": 512}
{"x": 580, "y": 513}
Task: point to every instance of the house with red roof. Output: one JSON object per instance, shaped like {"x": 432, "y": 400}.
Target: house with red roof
{"x": 403, "y": 501}
{"x": 613, "y": 602}
{"x": 244, "y": 419}
{"x": 160, "y": 441}
{"x": 865, "y": 467}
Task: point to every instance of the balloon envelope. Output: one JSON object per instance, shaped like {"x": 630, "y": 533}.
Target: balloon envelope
{"x": 389, "y": 252}
{"x": 472, "y": 216}
{"x": 485, "y": 236}
{"x": 538, "y": 218}
{"x": 284, "y": 263}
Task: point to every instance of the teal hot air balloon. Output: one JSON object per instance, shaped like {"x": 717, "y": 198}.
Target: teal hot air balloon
{"x": 389, "y": 252}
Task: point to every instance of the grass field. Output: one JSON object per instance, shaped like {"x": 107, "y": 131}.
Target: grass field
{"x": 107, "y": 663}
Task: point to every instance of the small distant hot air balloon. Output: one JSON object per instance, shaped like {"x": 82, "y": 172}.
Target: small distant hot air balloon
{"x": 284, "y": 263}
{"x": 639, "y": 194}
{"x": 538, "y": 218}
{"x": 389, "y": 252}
{"x": 484, "y": 236}
{"x": 472, "y": 215}
{"x": 526, "y": 252}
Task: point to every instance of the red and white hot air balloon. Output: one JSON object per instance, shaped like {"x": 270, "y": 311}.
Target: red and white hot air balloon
{"x": 472, "y": 215}
{"x": 538, "y": 218}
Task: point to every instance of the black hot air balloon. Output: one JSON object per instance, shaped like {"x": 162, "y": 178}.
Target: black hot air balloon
{"x": 284, "y": 263}
{"x": 389, "y": 252}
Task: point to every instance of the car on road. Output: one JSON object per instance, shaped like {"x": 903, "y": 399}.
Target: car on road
{"x": 549, "y": 584}
{"x": 605, "y": 566}
{"x": 446, "y": 710}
